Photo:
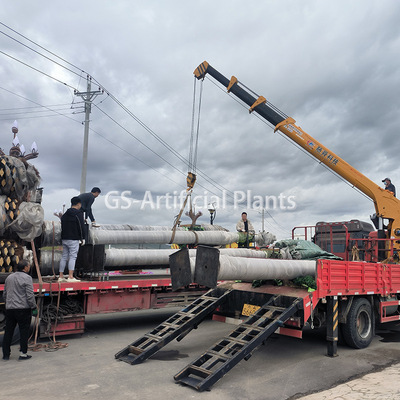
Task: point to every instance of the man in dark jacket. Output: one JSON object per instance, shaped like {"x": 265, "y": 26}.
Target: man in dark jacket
{"x": 71, "y": 235}
{"x": 87, "y": 199}
{"x": 389, "y": 186}
{"x": 20, "y": 301}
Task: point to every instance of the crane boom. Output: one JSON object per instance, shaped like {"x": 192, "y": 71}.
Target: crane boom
{"x": 386, "y": 205}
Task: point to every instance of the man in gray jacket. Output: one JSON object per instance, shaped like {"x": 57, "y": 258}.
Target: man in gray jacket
{"x": 20, "y": 301}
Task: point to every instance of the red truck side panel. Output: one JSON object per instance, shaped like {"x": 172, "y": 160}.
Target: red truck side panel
{"x": 342, "y": 278}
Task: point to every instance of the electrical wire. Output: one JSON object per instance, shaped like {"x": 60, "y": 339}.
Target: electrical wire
{"x": 150, "y": 149}
{"x": 91, "y": 129}
{"x": 41, "y": 47}
{"x": 281, "y": 227}
{"x": 208, "y": 179}
{"x": 34, "y": 102}
{"x": 140, "y": 141}
{"x": 34, "y": 112}
{"x": 37, "y": 70}
{"x": 191, "y": 163}
{"x": 39, "y": 116}
{"x": 114, "y": 144}
{"x": 163, "y": 142}
{"x": 133, "y": 156}
{"x": 37, "y": 52}
{"x": 28, "y": 108}
{"x": 286, "y": 233}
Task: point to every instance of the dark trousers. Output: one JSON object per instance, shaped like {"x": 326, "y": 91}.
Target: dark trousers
{"x": 22, "y": 317}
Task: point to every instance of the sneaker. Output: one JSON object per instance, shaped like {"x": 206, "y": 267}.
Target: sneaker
{"x": 6, "y": 358}
{"x": 62, "y": 280}
{"x": 73, "y": 280}
{"x": 24, "y": 357}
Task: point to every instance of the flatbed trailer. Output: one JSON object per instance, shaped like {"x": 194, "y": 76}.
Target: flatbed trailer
{"x": 125, "y": 293}
{"x": 350, "y": 298}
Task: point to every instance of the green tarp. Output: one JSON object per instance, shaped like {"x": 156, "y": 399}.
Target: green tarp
{"x": 304, "y": 250}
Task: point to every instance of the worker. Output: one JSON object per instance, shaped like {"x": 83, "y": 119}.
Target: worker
{"x": 71, "y": 235}
{"x": 389, "y": 186}
{"x": 245, "y": 226}
{"x": 20, "y": 302}
{"x": 87, "y": 199}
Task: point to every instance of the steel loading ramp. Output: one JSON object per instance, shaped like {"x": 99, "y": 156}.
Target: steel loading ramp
{"x": 212, "y": 365}
{"x": 175, "y": 327}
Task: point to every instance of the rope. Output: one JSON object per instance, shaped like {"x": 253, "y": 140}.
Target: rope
{"x": 196, "y": 242}
{"x": 52, "y": 346}
{"x": 188, "y": 193}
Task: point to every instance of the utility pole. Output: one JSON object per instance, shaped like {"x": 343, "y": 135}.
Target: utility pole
{"x": 262, "y": 219}
{"x": 87, "y": 97}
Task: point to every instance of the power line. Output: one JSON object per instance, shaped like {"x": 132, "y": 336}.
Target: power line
{"x": 149, "y": 148}
{"x": 158, "y": 138}
{"x": 32, "y": 107}
{"x": 133, "y": 156}
{"x": 34, "y": 102}
{"x": 37, "y": 116}
{"x": 37, "y": 70}
{"x": 164, "y": 143}
{"x": 114, "y": 144}
{"x": 34, "y": 112}
{"x": 43, "y": 48}
{"x": 35, "y": 51}
{"x": 140, "y": 141}
{"x": 97, "y": 133}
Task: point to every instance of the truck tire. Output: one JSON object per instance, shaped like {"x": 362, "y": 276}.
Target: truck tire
{"x": 358, "y": 329}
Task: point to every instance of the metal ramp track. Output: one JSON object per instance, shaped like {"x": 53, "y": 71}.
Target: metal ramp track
{"x": 177, "y": 326}
{"x": 238, "y": 345}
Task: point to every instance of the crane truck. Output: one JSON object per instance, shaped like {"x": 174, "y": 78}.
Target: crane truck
{"x": 349, "y": 299}
{"x": 387, "y": 206}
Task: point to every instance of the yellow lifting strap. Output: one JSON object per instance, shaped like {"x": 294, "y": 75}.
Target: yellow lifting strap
{"x": 190, "y": 180}
{"x": 188, "y": 193}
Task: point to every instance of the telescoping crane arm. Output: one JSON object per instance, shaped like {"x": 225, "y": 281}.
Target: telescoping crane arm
{"x": 386, "y": 205}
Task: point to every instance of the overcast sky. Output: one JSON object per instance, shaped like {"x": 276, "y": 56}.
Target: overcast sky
{"x": 332, "y": 66}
